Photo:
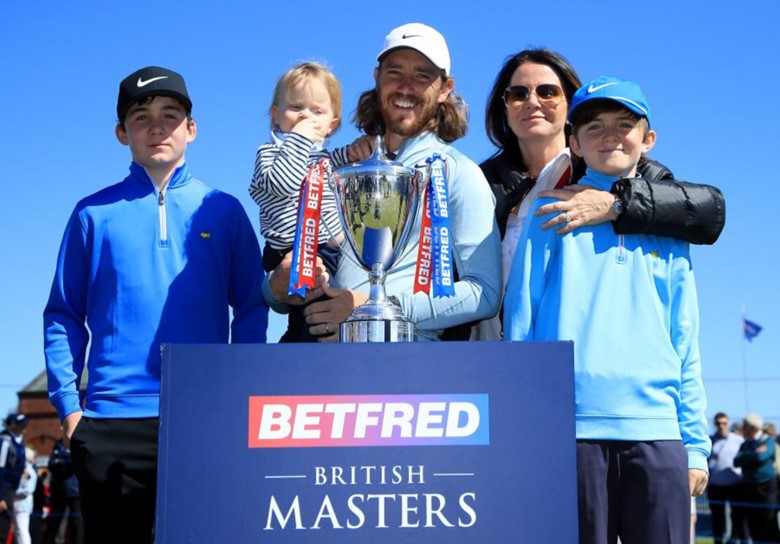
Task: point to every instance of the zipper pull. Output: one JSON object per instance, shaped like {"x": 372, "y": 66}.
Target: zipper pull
{"x": 622, "y": 256}
{"x": 161, "y": 198}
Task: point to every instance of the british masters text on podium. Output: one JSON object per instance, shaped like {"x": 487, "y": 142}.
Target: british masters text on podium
{"x": 352, "y": 421}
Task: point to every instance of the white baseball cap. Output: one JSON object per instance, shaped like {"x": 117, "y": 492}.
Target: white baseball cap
{"x": 421, "y": 38}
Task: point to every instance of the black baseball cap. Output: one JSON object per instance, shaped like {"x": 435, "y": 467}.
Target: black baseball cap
{"x": 16, "y": 419}
{"x": 151, "y": 81}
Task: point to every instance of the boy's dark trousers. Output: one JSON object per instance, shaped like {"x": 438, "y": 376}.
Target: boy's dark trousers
{"x": 116, "y": 465}
{"x": 297, "y": 329}
{"x": 638, "y": 491}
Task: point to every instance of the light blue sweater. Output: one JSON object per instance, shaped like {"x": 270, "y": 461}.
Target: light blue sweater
{"x": 476, "y": 247}
{"x": 629, "y": 304}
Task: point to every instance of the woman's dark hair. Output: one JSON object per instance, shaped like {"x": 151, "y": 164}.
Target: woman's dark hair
{"x": 496, "y": 124}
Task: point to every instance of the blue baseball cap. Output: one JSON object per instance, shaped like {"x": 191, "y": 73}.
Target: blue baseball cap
{"x": 627, "y": 93}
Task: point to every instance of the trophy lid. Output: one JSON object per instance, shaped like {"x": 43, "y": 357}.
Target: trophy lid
{"x": 377, "y": 164}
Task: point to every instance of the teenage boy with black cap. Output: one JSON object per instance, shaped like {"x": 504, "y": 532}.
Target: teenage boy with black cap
{"x": 12, "y": 461}
{"x": 157, "y": 258}
{"x": 628, "y": 302}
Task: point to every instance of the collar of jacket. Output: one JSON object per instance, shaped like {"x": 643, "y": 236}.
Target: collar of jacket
{"x": 138, "y": 174}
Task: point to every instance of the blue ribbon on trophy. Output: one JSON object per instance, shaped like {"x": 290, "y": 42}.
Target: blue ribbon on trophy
{"x": 436, "y": 229}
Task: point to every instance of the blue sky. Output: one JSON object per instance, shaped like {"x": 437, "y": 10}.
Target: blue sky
{"x": 708, "y": 69}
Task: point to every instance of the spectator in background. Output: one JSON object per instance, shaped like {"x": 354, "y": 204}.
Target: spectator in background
{"x": 23, "y": 502}
{"x": 725, "y": 480}
{"x": 40, "y": 504}
{"x": 736, "y": 428}
{"x": 756, "y": 458}
{"x": 771, "y": 430}
{"x": 64, "y": 497}
{"x": 12, "y": 464}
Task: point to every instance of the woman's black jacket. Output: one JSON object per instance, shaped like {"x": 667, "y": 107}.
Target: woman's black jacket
{"x": 653, "y": 203}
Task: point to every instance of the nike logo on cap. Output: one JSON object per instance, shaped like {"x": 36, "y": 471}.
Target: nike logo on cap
{"x": 593, "y": 89}
{"x": 142, "y": 83}
{"x": 407, "y": 36}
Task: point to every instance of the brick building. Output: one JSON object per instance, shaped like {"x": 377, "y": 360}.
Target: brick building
{"x": 43, "y": 428}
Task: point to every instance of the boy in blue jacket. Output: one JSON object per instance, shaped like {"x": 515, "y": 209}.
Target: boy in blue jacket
{"x": 629, "y": 304}
{"x": 157, "y": 258}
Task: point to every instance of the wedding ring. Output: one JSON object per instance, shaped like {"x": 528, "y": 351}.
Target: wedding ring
{"x": 327, "y": 328}
{"x": 567, "y": 217}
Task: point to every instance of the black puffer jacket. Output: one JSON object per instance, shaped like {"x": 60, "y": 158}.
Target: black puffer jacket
{"x": 653, "y": 203}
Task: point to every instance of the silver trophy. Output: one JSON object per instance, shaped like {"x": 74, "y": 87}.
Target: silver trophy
{"x": 377, "y": 201}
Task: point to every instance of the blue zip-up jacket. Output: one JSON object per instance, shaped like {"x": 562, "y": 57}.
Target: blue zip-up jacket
{"x": 629, "y": 304}
{"x": 138, "y": 268}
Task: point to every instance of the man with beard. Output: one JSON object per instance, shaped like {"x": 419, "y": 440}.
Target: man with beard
{"x": 414, "y": 107}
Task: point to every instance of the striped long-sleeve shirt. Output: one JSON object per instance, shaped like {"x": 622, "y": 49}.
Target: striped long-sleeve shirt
{"x": 280, "y": 167}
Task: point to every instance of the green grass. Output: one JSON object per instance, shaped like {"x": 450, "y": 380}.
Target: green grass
{"x": 363, "y": 211}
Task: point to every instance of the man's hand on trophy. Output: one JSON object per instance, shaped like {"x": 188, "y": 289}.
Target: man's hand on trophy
{"x": 324, "y": 316}
{"x": 279, "y": 281}
{"x": 361, "y": 148}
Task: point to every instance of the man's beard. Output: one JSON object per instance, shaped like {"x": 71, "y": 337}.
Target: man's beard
{"x": 420, "y": 122}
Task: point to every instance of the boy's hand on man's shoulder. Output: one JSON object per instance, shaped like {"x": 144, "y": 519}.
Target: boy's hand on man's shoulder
{"x": 361, "y": 148}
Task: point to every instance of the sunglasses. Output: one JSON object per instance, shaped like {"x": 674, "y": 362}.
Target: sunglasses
{"x": 548, "y": 95}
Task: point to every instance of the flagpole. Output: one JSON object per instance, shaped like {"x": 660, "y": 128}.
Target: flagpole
{"x": 744, "y": 360}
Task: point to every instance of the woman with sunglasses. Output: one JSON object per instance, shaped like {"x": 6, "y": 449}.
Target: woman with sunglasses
{"x": 526, "y": 120}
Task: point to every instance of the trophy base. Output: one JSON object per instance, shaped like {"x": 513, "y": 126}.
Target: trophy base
{"x": 377, "y": 331}
{"x": 377, "y": 322}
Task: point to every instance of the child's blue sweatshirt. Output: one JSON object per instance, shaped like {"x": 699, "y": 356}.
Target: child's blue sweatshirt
{"x": 629, "y": 304}
{"x": 138, "y": 268}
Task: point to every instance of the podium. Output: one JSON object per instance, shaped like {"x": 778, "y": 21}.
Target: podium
{"x": 435, "y": 442}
